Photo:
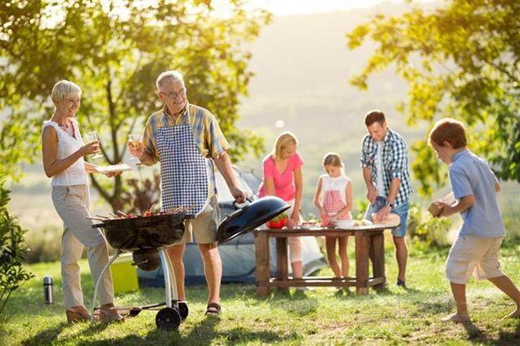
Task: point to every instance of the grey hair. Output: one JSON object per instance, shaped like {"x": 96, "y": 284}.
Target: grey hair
{"x": 169, "y": 77}
{"x": 64, "y": 89}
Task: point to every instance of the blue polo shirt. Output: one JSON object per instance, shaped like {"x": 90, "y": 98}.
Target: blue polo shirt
{"x": 470, "y": 175}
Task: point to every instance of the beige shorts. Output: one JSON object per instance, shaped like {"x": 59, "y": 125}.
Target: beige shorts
{"x": 473, "y": 255}
{"x": 204, "y": 226}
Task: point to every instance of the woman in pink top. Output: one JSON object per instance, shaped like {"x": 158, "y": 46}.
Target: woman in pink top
{"x": 282, "y": 177}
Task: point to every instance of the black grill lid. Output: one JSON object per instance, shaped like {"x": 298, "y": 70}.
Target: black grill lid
{"x": 250, "y": 217}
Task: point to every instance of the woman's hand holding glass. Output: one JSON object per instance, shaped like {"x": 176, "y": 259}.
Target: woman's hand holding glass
{"x": 90, "y": 148}
{"x": 91, "y": 138}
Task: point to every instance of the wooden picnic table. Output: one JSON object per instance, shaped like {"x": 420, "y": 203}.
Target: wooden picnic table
{"x": 367, "y": 239}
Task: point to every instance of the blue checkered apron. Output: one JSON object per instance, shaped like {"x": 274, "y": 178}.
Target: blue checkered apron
{"x": 184, "y": 172}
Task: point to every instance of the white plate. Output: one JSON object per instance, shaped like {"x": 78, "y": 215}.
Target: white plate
{"x": 344, "y": 223}
{"x": 114, "y": 168}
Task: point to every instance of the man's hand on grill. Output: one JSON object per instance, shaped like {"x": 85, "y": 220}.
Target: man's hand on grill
{"x": 239, "y": 195}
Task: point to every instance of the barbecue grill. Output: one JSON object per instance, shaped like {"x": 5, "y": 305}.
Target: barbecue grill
{"x": 146, "y": 237}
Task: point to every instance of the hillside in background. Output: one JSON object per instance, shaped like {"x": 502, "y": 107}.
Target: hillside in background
{"x": 302, "y": 67}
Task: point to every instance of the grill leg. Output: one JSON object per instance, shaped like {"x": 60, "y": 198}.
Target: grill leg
{"x": 172, "y": 278}
{"x": 98, "y": 281}
{"x": 170, "y": 286}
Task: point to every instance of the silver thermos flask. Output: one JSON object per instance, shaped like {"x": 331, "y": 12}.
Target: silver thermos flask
{"x": 48, "y": 289}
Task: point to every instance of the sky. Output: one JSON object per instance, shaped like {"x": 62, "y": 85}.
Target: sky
{"x": 289, "y": 7}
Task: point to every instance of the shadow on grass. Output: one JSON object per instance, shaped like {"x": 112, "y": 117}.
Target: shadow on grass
{"x": 509, "y": 338}
{"x": 203, "y": 333}
{"x": 50, "y": 335}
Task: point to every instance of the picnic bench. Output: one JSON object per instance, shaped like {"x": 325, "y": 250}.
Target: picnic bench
{"x": 367, "y": 239}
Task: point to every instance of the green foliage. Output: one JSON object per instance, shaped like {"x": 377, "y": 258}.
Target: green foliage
{"x": 426, "y": 232}
{"x": 45, "y": 245}
{"x": 361, "y": 207}
{"x": 114, "y": 51}
{"x": 461, "y": 60}
{"x": 12, "y": 250}
{"x": 512, "y": 226}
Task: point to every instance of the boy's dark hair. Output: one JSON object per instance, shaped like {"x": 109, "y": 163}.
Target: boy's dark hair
{"x": 448, "y": 130}
{"x": 374, "y": 116}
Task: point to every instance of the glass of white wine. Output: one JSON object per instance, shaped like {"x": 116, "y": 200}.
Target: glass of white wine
{"x": 133, "y": 140}
{"x": 93, "y": 137}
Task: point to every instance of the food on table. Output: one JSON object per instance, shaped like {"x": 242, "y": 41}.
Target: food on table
{"x": 278, "y": 221}
{"x": 392, "y": 219}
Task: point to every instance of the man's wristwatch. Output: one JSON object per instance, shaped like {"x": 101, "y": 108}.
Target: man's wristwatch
{"x": 388, "y": 204}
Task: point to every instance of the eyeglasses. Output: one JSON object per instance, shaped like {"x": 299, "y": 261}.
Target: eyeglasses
{"x": 174, "y": 95}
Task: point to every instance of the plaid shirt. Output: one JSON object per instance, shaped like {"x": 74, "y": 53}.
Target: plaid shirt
{"x": 207, "y": 133}
{"x": 395, "y": 163}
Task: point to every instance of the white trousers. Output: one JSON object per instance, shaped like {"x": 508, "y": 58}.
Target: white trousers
{"x": 72, "y": 203}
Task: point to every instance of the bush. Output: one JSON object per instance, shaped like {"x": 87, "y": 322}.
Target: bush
{"x": 12, "y": 250}
{"x": 425, "y": 231}
{"x": 44, "y": 245}
{"x": 512, "y": 225}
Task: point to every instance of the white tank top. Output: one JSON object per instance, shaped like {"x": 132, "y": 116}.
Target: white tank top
{"x": 67, "y": 145}
{"x": 329, "y": 183}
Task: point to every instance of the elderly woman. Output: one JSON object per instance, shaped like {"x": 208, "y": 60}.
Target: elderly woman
{"x": 282, "y": 177}
{"x": 63, "y": 152}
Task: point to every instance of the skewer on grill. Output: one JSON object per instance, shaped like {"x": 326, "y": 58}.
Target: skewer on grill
{"x": 122, "y": 214}
{"x": 96, "y": 218}
{"x": 114, "y": 216}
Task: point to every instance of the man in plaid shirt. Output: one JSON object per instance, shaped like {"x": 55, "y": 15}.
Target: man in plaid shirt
{"x": 384, "y": 159}
{"x": 186, "y": 140}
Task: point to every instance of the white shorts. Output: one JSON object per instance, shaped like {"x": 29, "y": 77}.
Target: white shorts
{"x": 473, "y": 255}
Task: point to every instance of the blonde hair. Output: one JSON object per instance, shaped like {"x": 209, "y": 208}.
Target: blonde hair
{"x": 284, "y": 140}
{"x": 448, "y": 130}
{"x": 332, "y": 159}
{"x": 169, "y": 77}
{"x": 64, "y": 89}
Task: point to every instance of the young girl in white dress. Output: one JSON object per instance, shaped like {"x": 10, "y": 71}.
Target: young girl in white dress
{"x": 334, "y": 199}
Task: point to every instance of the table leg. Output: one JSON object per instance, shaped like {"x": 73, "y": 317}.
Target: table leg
{"x": 262, "y": 263}
{"x": 281, "y": 262}
{"x": 378, "y": 261}
{"x": 362, "y": 242}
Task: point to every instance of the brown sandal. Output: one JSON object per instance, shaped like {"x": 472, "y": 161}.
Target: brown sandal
{"x": 75, "y": 316}
{"x": 109, "y": 315}
{"x": 213, "y": 309}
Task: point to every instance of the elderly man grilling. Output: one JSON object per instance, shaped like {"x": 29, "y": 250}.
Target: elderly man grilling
{"x": 186, "y": 140}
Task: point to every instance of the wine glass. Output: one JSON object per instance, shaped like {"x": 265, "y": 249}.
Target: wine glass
{"x": 133, "y": 140}
{"x": 93, "y": 137}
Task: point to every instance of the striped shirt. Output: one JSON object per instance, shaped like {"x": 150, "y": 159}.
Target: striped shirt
{"x": 395, "y": 163}
{"x": 206, "y": 131}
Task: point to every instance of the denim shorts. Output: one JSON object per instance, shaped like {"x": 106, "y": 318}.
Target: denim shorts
{"x": 401, "y": 210}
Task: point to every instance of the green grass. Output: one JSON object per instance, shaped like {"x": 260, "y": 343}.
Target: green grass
{"x": 316, "y": 317}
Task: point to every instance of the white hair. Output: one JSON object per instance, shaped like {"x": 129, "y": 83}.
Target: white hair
{"x": 64, "y": 89}
{"x": 169, "y": 77}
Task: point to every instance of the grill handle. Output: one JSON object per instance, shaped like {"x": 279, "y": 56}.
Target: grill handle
{"x": 99, "y": 225}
